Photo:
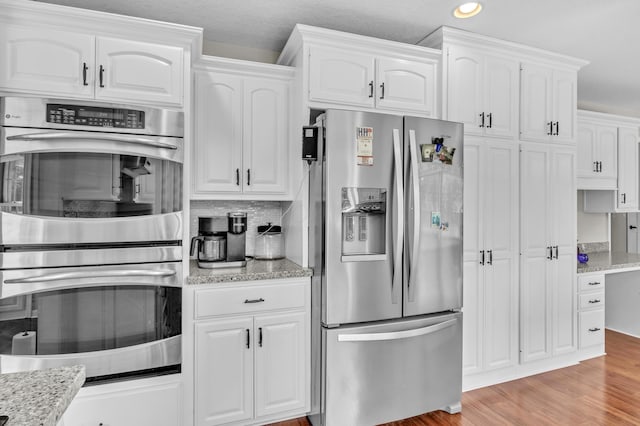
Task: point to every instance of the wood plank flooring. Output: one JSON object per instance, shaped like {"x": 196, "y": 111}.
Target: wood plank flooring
{"x": 599, "y": 391}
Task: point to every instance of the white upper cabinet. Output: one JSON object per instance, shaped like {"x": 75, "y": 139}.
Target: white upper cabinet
{"x": 627, "y": 168}
{"x": 341, "y": 70}
{"x": 482, "y": 92}
{"x": 241, "y": 133}
{"x": 597, "y": 156}
{"x": 548, "y": 104}
{"x": 130, "y": 70}
{"x": 50, "y": 62}
{"x": 46, "y": 61}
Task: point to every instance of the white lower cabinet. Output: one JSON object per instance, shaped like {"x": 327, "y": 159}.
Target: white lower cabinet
{"x": 252, "y": 359}
{"x": 591, "y": 311}
{"x": 155, "y": 401}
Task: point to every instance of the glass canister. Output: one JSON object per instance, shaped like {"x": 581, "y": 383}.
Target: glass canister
{"x": 269, "y": 242}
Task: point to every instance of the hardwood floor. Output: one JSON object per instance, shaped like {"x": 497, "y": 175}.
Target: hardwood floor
{"x": 599, "y": 391}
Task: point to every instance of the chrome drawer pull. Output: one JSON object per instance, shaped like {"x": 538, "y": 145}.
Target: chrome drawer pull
{"x": 254, "y": 300}
{"x": 595, "y": 283}
{"x": 594, "y": 329}
{"x": 594, "y": 301}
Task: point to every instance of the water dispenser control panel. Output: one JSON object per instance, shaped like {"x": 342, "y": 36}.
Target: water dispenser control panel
{"x": 363, "y": 221}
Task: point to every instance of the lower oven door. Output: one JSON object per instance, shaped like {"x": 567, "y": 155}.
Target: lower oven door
{"x": 117, "y": 320}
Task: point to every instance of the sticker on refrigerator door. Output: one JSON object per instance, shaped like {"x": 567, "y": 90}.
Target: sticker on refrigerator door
{"x": 364, "y": 146}
{"x": 435, "y": 220}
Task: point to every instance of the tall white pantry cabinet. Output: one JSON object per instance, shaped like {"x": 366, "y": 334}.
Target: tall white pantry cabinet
{"x": 520, "y": 202}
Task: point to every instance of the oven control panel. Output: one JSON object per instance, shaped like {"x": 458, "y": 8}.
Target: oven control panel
{"x": 80, "y": 115}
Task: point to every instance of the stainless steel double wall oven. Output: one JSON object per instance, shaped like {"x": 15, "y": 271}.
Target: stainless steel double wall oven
{"x": 90, "y": 237}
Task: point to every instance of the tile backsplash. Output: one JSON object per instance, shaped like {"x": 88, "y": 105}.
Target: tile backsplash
{"x": 258, "y": 213}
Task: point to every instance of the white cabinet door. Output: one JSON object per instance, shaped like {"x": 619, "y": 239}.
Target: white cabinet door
{"x": 473, "y": 325}
{"x": 265, "y": 136}
{"x": 224, "y": 371}
{"x": 586, "y": 144}
{"x": 404, "y": 85}
{"x": 217, "y": 153}
{"x": 627, "y": 168}
{"x": 563, "y": 237}
{"x": 535, "y": 286}
{"x": 501, "y": 91}
{"x": 340, "y": 76}
{"x": 137, "y": 71}
{"x": 48, "y": 62}
{"x": 535, "y": 102}
{"x": 464, "y": 88}
{"x": 279, "y": 363}
{"x": 564, "y": 107}
{"x": 607, "y": 151}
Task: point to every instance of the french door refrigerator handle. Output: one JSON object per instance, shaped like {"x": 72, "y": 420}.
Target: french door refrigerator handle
{"x": 396, "y": 335}
{"x": 413, "y": 151}
{"x": 111, "y": 137}
{"x": 396, "y": 282}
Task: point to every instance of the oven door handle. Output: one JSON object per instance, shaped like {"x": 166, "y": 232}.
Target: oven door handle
{"x": 160, "y": 273}
{"x": 111, "y": 137}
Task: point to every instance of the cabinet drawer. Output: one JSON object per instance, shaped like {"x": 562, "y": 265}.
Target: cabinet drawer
{"x": 591, "y": 327}
{"x": 590, "y": 282}
{"x": 590, "y": 300}
{"x": 256, "y": 298}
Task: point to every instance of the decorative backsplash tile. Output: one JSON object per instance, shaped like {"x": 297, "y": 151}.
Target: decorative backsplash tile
{"x": 593, "y": 247}
{"x": 258, "y": 213}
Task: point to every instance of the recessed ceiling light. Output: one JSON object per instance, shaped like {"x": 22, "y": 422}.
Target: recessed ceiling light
{"x": 467, "y": 10}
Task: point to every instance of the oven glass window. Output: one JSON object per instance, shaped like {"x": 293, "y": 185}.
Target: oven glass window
{"x": 88, "y": 319}
{"x": 89, "y": 185}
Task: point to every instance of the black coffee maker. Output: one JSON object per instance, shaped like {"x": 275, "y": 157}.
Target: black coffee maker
{"x": 236, "y": 237}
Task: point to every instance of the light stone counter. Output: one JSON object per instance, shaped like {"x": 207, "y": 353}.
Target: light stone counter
{"x": 39, "y": 398}
{"x": 610, "y": 262}
{"x": 255, "y": 270}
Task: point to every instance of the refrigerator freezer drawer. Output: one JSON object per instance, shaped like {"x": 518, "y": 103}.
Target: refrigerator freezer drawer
{"x": 392, "y": 370}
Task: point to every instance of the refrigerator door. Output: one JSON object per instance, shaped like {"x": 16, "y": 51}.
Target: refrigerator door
{"x": 362, "y": 208}
{"x": 433, "y": 228}
{"x": 392, "y": 370}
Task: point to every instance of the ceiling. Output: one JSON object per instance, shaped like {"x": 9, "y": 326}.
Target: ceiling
{"x": 595, "y": 30}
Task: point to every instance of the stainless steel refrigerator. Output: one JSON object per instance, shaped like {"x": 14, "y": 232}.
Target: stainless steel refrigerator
{"x": 385, "y": 241}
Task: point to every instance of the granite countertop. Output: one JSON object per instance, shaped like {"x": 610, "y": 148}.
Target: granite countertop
{"x": 609, "y": 261}
{"x": 39, "y": 398}
{"x": 255, "y": 270}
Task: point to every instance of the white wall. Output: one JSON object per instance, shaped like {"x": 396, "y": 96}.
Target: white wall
{"x": 226, "y": 50}
{"x": 592, "y": 227}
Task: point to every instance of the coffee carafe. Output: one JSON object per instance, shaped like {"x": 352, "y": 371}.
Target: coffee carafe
{"x": 210, "y": 243}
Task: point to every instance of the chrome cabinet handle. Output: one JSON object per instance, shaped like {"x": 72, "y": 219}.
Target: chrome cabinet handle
{"x": 550, "y": 132}
{"x": 373, "y": 337}
{"x": 490, "y": 261}
{"x": 84, "y": 74}
{"x": 557, "y": 128}
{"x": 490, "y": 116}
{"x": 248, "y": 338}
{"x": 238, "y": 177}
{"x": 556, "y": 248}
{"x": 550, "y": 256}
{"x": 248, "y": 177}
{"x": 101, "y": 76}
{"x": 104, "y": 137}
{"x": 482, "y": 257}
{"x": 481, "y": 119}
{"x": 254, "y": 300}
{"x": 594, "y": 329}
{"x": 595, "y": 166}
{"x": 161, "y": 273}
{"x": 594, "y": 283}
{"x": 371, "y": 89}
{"x": 594, "y": 301}
{"x": 260, "y": 336}
{"x": 382, "y": 91}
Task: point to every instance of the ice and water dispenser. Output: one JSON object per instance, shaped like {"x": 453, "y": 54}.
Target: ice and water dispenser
{"x": 364, "y": 213}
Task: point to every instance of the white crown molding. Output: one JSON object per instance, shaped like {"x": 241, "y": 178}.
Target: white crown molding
{"x": 445, "y": 35}
{"x": 605, "y": 118}
{"x": 242, "y": 67}
{"x": 341, "y": 40}
{"x": 32, "y": 13}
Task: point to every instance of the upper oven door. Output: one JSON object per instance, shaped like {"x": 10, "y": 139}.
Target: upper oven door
{"x": 67, "y": 187}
